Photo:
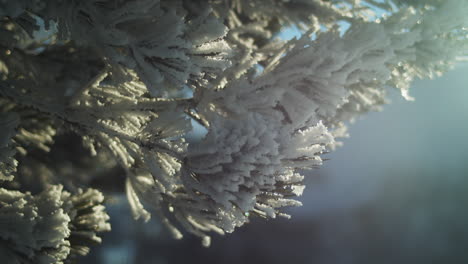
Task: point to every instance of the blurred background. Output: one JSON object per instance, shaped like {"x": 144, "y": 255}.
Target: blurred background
{"x": 394, "y": 193}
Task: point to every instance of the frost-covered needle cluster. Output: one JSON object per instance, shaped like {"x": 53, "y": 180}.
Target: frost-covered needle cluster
{"x": 127, "y": 78}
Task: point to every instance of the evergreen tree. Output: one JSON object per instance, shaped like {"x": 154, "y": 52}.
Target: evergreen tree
{"x": 128, "y": 78}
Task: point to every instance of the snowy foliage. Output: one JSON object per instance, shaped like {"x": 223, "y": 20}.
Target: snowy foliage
{"x": 8, "y": 164}
{"x": 50, "y": 227}
{"x": 128, "y": 78}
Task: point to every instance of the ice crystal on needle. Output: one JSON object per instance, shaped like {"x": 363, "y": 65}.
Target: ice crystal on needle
{"x": 50, "y": 227}
{"x": 128, "y": 78}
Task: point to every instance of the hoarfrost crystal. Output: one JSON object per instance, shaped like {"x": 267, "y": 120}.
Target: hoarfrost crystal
{"x": 129, "y": 77}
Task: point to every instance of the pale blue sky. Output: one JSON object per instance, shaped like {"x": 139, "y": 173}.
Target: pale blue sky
{"x": 425, "y": 135}
{"x": 411, "y": 138}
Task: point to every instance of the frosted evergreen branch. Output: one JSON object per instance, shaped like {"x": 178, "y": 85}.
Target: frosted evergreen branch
{"x": 118, "y": 74}
{"x": 45, "y": 228}
{"x": 8, "y": 122}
